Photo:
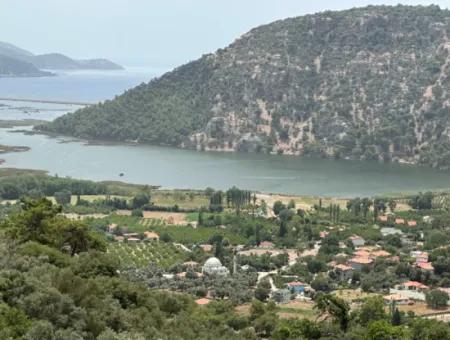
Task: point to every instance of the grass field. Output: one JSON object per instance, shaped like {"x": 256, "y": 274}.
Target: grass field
{"x": 180, "y": 234}
{"x": 141, "y": 254}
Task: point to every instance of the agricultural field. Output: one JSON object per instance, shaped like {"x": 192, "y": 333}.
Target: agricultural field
{"x": 184, "y": 199}
{"x": 140, "y": 254}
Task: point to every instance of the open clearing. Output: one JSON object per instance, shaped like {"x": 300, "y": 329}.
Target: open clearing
{"x": 172, "y": 218}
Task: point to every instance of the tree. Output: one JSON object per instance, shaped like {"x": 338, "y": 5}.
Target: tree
{"x": 331, "y": 306}
{"x": 140, "y": 200}
{"x": 396, "y": 319}
{"x": 436, "y": 299}
{"x": 63, "y": 197}
{"x": 278, "y": 206}
{"x": 392, "y": 204}
{"x": 262, "y": 291}
{"x": 283, "y": 229}
{"x": 258, "y": 235}
{"x": 372, "y": 309}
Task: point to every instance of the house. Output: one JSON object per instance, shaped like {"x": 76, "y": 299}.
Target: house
{"x": 202, "y": 301}
{"x": 266, "y": 245}
{"x": 190, "y": 264}
{"x": 344, "y": 272}
{"x": 296, "y": 287}
{"x": 399, "y": 221}
{"x": 282, "y": 295}
{"x": 112, "y": 227}
{"x": 380, "y": 253}
{"x": 412, "y": 286}
{"x": 412, "y": 289}
{"x": 119, "y": 238}
{"x": 361, "y": 253}
{"x": 425, "y": 266}
{"x": 150, "y": 235}
{"x": 357, "y": 263}
{"x": 383, "y": 218}
{"x": 206, "y": 247}
{"x": 357, "y": 241}
{"x": 427, "y": 219}
{"x": 398, "y": 299}
{"x": 419, "y": 256}
{"x": 412, "y": 223}
{"x": 323, "y": 234}
{"x": 386, "y": 231}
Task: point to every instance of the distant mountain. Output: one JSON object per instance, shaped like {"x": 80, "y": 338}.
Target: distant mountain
{"x": 366, "y": 83}
{"x": 52, "y": 61}
{"x": 10, "y": 67}
{"x": 12, "y": 51}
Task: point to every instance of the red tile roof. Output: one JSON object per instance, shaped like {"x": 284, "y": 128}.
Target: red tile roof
{"x": 202, "y": 301}
{"x": 343, "y": 267}
{"x": 361, "y": 260}
{"x": 425, "y": 266}
{"x": 296, "y": 284}
{"x": 415, "y": 284}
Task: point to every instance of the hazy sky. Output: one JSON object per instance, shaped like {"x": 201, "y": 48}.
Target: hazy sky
{"x": 161, "y": 33}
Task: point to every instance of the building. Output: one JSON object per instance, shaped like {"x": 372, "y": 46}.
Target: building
{"x": 383, "y": 218}
{"x": 357, "y": 263}
{"x": 399, "y": 221}
{"x": 206, "y": 247}
{"x": 412, "y": 286}
{"x": 213, "y": 266}
{"x": 202, "y": 301}
{"x": 386, "y": 231}
{"x": 425, "y": 266}
{"x": 419, "y": 256}
{"x": 296, "y": 287}
{"x": 112, "y": 227}
{"x": 412, "y": 223}
{"x": 150, "y": 235}
{"x": 357, "y": 241}
{"x": 282, "y": 295}
{"x": 266, "y": 245}
{"x": 379, "y": 253}
{"x": 323, "y": 234}
{"x": 190, "y": 264}
{"x": 345, "y": 273}
{"x": 412, "y": 289}
{"x": 398, "y": 299}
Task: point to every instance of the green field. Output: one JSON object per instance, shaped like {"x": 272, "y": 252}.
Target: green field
{"x": 141, "y": 254}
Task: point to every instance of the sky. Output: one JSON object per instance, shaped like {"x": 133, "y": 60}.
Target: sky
{"x": 163, "y": 33}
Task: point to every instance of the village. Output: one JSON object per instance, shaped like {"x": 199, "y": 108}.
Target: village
{"x": 339, "y": 249}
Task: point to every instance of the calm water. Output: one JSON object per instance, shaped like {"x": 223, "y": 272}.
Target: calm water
{"x": 173, "y": 168}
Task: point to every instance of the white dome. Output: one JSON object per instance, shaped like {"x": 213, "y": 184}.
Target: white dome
{"x": 213, "y": 262}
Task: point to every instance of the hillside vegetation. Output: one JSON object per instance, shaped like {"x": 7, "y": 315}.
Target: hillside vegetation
{"x": 369, "y": 83}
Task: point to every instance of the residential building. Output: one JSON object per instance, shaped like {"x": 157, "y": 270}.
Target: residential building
{"x": 344, "y": 272}
{"x": 357, "y": 263}
{"x": 357, "y": 241}
{"x": 296, "y": 287}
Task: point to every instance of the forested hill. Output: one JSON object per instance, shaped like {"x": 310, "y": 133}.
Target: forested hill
{"x": 368, "y": 83}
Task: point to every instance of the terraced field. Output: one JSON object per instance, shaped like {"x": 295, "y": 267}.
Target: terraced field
{"x": 141, "y": 254}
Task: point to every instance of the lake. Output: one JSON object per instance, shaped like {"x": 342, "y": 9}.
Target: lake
{"x": 175, "y": 168}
